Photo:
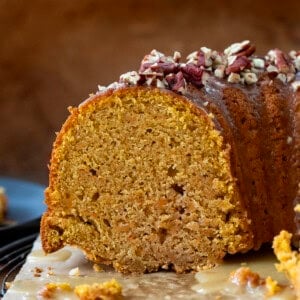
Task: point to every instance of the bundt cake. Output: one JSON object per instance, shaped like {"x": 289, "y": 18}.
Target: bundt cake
{"x": 179, "y": 163}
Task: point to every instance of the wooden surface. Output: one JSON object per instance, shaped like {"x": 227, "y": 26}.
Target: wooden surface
{"x": 54, "y": 53}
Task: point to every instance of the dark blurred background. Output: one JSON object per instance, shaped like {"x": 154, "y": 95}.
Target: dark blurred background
{"x": 53, "y": 53}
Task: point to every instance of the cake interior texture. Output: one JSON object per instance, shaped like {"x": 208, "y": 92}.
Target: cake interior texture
{"x": 142, "y": 179}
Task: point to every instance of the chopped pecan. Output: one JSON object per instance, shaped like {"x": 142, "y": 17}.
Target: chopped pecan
{"x": 201, "y": 59}
{"x": 192, "y": 74}
{"x": 176, "y": 82}
{"x": 130, "y": 78}
{"x": 164, "y": 67}
{"x": 234, "y": 78}
{"x": 281, "y": 60}
{"x": 237, "y": 48}
{"x": 176, "y": 56}
{"x": 239, "y": 64}
{"x": 247, "y": 51}
{"x": 272, "y": 71}
{"x": 144, "y": 67}
{"x": 250, "y": 78}
{"x": 282, "y": 77}
{"x": 297, "y": 63}
{"x": 258, "y": 63}
{"x": 220, "y": 71}
{"x": 296, "y": 85}
{"x": 157, "y": 63}
{"x": 290, "y": 77}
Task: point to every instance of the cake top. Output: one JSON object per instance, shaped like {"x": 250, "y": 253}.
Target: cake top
{"x": 236, "y": 64}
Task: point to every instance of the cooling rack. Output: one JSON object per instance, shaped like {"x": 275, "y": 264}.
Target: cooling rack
{"x": 12, "y": 257}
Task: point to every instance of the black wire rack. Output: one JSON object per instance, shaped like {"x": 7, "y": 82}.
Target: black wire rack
{"x": 12, "y": 257}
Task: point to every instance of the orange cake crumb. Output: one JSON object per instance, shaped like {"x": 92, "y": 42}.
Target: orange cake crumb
{"x": 110, "y": 290}
{"x": 289, "y": 261}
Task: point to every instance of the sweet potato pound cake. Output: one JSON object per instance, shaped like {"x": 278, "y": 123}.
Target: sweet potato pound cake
{"x": 180, "y": 163}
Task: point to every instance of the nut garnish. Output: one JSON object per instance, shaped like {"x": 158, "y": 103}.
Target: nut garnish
{"x": 236, "y": 64}
{"x": 131, "y": 78}
{"x": 250, "y": 78}
{"x": 192, "y": 74}
{"x": 289, "y": 140}
{"x": 239, "y": 64}
{"x": 296, "y": 85}
{"x": 176, "y": 82}
{"x": 237, "y": 47}
{"x": 258, "y": 63}
{"x": 234, "y": 78}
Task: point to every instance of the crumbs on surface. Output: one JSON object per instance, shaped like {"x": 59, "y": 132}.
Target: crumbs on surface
{"x": 272, "y": 286}
{"x": 37, "y": 272}
{"x": 244, "y": 276}
{"x": 109, "y": 290}
{"x": 289, "y": 261}
{"x": 50, "y": 289}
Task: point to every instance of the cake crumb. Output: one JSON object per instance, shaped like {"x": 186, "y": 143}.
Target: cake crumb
{"x": 49, "y": 290}
{"x": 272, "y": 286}
{"x": 245, "y": 276}
{"x": 74, "y": 272}
{"x": 37, "y": 272}
{"x": 50, "y": 271}
{"x": 109, "y": 290}
{"x": 289, "y": 261}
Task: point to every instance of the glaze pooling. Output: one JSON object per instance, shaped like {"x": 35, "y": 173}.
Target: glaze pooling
{"x": 162, "y": 285}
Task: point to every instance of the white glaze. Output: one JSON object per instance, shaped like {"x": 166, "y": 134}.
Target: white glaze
{"x": 162, "y": 285}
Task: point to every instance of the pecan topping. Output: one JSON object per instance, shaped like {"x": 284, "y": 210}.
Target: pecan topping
{"x": 201, "y": 59}
{"x": 192, "y": 74}
{"x": 164, "y": 67}
{"x": 258, "y": 63}
{"x": 296, "y": 85}
{"x": 250, "y": 78}
{"x": 176, "y": 82}
{"x": 176, "y": 56}
{"x": 237, "y": 48}
{"x": 130, "y": 78}
{"x": 247, "y": 51}
{"x": 234, "y": 78}
{"x": 281, "y": 61}
{"x": 158, "y": 65}
{"x": 236, "y": 64}
{"x": 239, "y": 64}
{"x": 220, "y": 71}
{"x": 197, "y": 58}
{"x": 272, "y": 71}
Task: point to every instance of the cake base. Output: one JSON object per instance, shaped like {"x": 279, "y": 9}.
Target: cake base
{"x": 40, "y": 270}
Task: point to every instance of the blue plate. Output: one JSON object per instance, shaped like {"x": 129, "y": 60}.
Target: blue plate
{"x": 25, "y": 200}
